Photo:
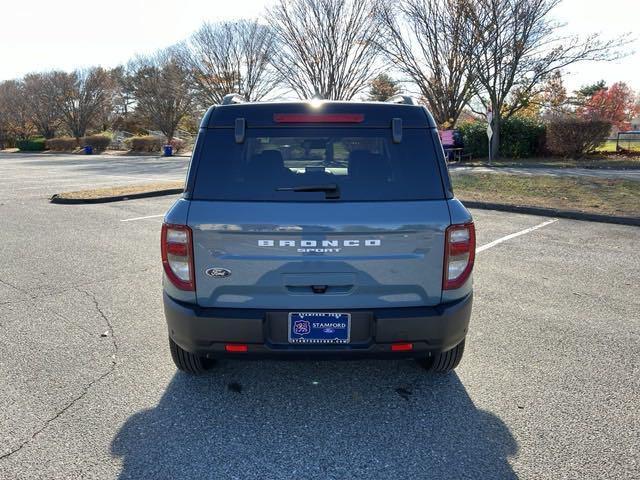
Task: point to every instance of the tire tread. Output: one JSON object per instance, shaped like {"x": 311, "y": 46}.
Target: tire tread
{"x": 445, "y": 362}
{"x": 186, "y": 361}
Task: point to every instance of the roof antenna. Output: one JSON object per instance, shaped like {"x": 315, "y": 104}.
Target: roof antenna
{"x": 232, "y": 98}
{"x": 402, "y": 99}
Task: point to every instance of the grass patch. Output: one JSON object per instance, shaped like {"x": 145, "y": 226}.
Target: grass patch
{"x": 603, "y": 196}
{"x": 593, "y": 161}
{"x": 629, "y": 145}
{"x": 119, "y": 190}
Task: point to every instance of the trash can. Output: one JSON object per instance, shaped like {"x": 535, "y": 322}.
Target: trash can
{"x": 168, "y": 150}
{"x": 88, "y": 150}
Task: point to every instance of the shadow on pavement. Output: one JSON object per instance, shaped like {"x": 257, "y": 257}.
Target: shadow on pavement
{"x": 315, "y": 420}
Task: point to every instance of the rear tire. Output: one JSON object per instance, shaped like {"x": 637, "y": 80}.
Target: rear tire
{"x": 444, "y": 362}
{"x": 189, "y": 362}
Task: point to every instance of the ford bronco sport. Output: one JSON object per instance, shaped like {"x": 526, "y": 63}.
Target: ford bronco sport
{"x": 317, "y": 229}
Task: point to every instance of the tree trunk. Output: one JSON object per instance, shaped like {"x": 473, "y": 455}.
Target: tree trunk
{"x": 78, "y": 133}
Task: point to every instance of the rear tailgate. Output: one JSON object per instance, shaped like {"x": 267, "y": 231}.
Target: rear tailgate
{"x": 325, "y": 256}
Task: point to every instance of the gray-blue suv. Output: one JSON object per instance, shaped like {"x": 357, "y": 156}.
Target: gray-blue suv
{"x": 317, "y": 229}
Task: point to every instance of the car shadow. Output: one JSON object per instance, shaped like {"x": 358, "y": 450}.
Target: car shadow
{"x": 359, "y": 419}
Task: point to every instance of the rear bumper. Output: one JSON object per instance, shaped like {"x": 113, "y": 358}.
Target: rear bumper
{"x": 206, "y": 331}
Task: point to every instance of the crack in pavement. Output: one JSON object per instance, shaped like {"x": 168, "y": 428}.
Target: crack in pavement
{"x": 33, "y": 297}
{"x": 17, "y": 289}
{"x": 86, "y": 388}
{"x": 114, "y": 341}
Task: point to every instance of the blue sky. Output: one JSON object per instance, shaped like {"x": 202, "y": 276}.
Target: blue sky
{"x": 41, "y": 35}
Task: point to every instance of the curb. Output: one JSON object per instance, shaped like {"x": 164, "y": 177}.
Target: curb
{"x": 552, "y": 212}
{"x": 534, "y": 167}
{"x": 79, "y": 201}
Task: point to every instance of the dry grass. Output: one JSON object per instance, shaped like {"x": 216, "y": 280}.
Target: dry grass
{"x": 603, "y": 196}
{"x": 120, "y": 190}
{"x": 607, "y": 161}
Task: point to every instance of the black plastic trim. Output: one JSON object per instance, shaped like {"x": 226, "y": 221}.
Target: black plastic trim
{"x": 205, "y": 331}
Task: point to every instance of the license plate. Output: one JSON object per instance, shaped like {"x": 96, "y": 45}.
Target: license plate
{"x": 321, "y": 327}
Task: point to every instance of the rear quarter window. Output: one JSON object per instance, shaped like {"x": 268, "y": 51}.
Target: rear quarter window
{"x": 362, "y": 163}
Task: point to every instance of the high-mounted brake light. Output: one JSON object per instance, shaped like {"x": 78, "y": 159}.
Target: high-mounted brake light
{"x": 318, "y": 118}
{"x": 177, "y": 255}
{"x": 459, "y": 255}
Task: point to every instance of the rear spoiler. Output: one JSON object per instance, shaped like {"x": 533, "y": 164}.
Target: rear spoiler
{"x": 342, "y": 114}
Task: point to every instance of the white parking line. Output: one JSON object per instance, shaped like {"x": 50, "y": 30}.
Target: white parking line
{"x": 142, "y": 218}
{"x": 514, "y": 235}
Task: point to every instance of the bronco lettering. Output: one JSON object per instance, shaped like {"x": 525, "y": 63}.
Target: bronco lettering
{"x": 320, "y": 243}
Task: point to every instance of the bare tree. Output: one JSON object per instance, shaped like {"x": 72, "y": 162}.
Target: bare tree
{"x": 230, "y": 57}
{"x": 425, "y": 40}
{"x": 41, "y": 102}
{"x": 13, "y": 110}
{"x": 82, "y": 98}
{"x": 162, "y": 91}
{"x": 123, "y": 97}
{"x": 516, "y": 47}
{"x": 326, "y": 47}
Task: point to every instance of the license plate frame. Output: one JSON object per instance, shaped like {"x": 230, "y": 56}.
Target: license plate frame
{"x": 319, "y": 328}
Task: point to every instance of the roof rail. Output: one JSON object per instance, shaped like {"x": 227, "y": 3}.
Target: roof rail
{"x": 402, "y": 99}
{"x": 232, "y": 98}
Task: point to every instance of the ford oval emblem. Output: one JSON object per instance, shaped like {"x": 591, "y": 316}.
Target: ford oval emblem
{"x": 217, "y": 272}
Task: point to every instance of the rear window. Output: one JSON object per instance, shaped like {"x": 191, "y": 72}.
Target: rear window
{"x": 316, "y": 164}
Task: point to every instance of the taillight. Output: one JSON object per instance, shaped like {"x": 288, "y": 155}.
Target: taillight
{"x": 459, "y": 254}
{"x": 236, "y": 347}
{"x": 401, "y": 347}
{"x": 177, "y": 255}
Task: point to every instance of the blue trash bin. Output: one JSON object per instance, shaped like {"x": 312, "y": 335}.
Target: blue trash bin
{"x": 168, "y": 151}
{"x": 88, "y": 150}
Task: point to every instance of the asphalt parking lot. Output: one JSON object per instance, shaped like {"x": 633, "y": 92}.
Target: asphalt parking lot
{"x": 27, "y": 176}
{"x": 548, "y": 388}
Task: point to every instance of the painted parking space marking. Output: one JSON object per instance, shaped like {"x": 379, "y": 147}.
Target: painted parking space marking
{"x": 514, "y": 235}
{"x": 141, "y": 218}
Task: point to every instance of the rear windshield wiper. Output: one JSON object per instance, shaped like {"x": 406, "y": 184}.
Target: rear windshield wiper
{"x": 331, "y": 190}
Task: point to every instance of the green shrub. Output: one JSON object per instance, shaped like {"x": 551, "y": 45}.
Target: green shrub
{"x": 571, "y": 136}
{"x": 147, "y": 143}
{"x": 31, "y": 145}
{"x": 98, "y": 142}
{"x": 474, "y": 138}
{"x": 62, "y": 144}
{"x": 519, "y": 137}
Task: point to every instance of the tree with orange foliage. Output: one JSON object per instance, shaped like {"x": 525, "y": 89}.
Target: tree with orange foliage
{"x": 617, "y": 104}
